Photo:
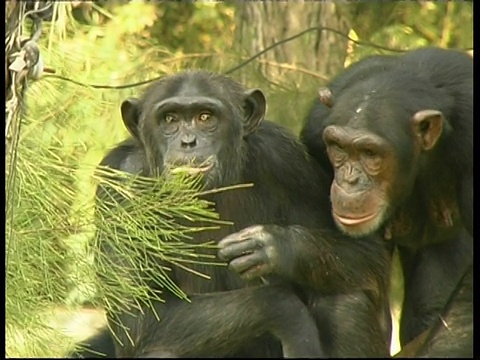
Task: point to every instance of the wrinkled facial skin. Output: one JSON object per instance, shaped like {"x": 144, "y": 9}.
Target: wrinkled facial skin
{"x": 364, "y": 172}
{"x": 373, "y": 173}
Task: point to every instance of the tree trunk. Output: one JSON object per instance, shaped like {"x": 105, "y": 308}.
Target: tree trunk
{"x": 261, "y": 24}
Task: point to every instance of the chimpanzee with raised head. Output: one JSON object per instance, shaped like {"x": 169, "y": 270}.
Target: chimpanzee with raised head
{"x": 396, "y": 134}
{"x": 295, "y": 286}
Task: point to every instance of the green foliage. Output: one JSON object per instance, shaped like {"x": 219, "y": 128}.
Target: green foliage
{"x": 195, "y": 27}
{"x": 34, "y": 338}
{"x": 37, "y": 259}
{"x": 409, "y": 25}
{"x": 138, "y": 222}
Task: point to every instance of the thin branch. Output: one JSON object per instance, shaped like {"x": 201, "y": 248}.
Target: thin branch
{"x": 294, "y": 68}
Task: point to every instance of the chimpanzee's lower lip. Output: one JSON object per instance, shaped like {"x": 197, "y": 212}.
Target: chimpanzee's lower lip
{"x": 350, "y": 221}
{"x": 191, "y": 170}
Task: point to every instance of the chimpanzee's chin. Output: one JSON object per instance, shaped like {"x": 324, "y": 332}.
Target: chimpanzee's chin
{"x": 211, "y": 179}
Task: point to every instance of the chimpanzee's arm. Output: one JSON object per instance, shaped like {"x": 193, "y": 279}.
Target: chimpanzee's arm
{"x": 324, "y": 260}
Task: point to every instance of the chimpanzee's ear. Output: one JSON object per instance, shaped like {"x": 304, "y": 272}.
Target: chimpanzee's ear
{"x": 130, "y": 109}
{"x": 325, "y": 96}
{"x": 255, "y": 108}
{"x": 427, "y": 127}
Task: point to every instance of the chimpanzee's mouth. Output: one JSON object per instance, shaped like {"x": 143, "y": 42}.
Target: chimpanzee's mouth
{"x": 192, "y": 169}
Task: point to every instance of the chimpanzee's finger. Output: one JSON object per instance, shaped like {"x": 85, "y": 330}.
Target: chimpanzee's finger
{"x": 234, "y": 250}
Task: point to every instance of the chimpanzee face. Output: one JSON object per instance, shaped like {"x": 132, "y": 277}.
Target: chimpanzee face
{"x": 196, "y": 123}
{"x": 375, "y": 146}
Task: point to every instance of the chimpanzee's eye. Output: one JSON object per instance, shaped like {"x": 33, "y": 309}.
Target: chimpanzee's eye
{"x": 369, "y": 153}
{"x": 204, "y": 116}
{"x": 336, "y": 153}
{"x": 371, "y": 159}
{"x": 169, "y": 118}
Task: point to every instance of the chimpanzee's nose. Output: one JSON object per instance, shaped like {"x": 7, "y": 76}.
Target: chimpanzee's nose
{"x": 189, "y": 140}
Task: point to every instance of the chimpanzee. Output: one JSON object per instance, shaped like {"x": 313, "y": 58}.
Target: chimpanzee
{"x": 294, "y": 285}
{"x": 396, "y": 134}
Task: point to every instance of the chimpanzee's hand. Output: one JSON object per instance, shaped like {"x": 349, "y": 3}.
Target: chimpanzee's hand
{"x": 258, "y": 251}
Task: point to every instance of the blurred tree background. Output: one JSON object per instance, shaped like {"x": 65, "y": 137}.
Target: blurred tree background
{"x": 67, "y": 126}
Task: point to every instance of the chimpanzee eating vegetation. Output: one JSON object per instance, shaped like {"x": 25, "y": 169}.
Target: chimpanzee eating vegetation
{"x": 295, "y": 286}
{"x": 396, "y": 135}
